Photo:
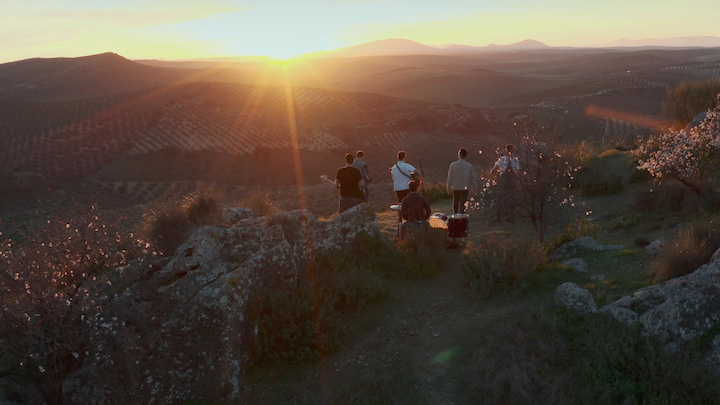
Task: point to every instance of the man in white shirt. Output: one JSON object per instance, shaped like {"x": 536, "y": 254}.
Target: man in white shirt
{"x": 402, "y": 173}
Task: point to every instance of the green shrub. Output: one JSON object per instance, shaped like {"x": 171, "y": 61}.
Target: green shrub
{"x": 639, "y": 176}
{"x": 625, "y": 221}
{"x": 661, "y": 198}
{"x": 577, "y": 229}
{"x": 500, "y": 265}
{"x": 618, "y": 364}
{"x": 300, "y": 319}
{"x": 541, "y": 356}
{"x": 420, "y": 254}
{"x": 693, "y": 247}
{"x": 436, "y": 192}
{"x": 594, "y": 182}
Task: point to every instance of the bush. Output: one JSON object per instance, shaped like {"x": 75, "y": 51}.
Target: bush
{"x": 693, "y": 247}
{"x": 543, "y": 356}
{"x": 577, "y": 229}
{"x": 202, "y": 209}
{"x": 300, "y": 319}
{"x": 55, "y": 287}
{"x": 639, "y": 176}
{"x": 499, "y": 265}
{"x": 420, "y": 254}
{"x": 673, "y": 197}
{"x": 436, "y": 192}
{"x": 260, "y": 204}
{"x": 169, "y": 225}
{"x": 594, "y": 183}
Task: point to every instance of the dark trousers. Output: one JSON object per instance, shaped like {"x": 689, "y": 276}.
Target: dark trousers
{"x": 507, "y": 195}
{"x": 347, "y": 202}
{"x": 460, "y": 197}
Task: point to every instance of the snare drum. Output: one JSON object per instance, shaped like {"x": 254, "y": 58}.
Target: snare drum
{"x": 458, "y": 225}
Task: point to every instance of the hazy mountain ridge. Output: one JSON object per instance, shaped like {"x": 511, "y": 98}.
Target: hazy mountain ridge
{"x": 682, "y": 42}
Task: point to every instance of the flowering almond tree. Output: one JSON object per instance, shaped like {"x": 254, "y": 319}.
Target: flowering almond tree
{"x": 54, "y": 287}
{"x": 689, "y": 155}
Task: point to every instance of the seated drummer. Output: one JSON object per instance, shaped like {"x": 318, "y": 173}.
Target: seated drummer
{"x": 415, "y": 209}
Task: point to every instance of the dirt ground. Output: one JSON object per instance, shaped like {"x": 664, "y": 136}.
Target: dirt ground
{"x": 413, "y": 348}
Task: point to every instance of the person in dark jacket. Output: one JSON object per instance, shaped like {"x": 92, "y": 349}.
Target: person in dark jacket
{"x": 415, "y": 210}
{"x": 350, "y": 182}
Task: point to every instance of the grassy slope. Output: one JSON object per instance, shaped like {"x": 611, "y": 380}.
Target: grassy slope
{"x": 435, "y": 341}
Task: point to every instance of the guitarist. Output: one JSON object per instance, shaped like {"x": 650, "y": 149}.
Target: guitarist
{"x": 350, "y": 182}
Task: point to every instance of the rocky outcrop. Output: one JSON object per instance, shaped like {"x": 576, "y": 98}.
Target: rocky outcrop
{"x": 576, "y": 264}
{"x": 677, "y": 310}
{"x": 575, "y": 299}
{"x": 580, "y": 245}
{"x": 182, "y": 334}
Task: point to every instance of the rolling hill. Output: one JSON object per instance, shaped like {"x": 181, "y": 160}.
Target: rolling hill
{"x": 133, "y": 130}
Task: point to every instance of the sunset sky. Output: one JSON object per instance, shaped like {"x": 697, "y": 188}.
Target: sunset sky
{"x": 183, "y": 29}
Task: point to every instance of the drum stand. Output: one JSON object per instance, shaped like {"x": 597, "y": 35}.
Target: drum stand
{"x": 397, "y": 208}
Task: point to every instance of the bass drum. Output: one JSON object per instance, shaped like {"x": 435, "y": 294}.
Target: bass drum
{"x": 457, "y": 225}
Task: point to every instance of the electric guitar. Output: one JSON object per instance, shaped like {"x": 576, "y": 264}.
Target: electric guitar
{"x": 326, "y": 179}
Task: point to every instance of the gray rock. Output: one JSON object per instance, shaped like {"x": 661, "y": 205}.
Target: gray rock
{"x": 580, "y": 245}
{"x": 712, "y": 360}
{"x": 577, "y": 264}
{"x": 575, "y": 299}
{"x": 182, "y": 334}
{"x": 234, "y": 215}
{"x": 654, "y": 246}
{"x": 677, "y": 310}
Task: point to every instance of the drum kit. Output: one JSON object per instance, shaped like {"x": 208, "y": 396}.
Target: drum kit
{"x": 455, "y": 226}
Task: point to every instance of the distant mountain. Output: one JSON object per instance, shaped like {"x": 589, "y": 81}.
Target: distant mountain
{"x": 527, "y": 44}
{"x": 57, "y": 79}
{"x": 385, "y": 47}
{"x": 683, "y": 42}
{"x": 399, "y": 47}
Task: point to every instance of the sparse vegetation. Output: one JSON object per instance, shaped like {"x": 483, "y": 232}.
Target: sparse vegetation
{"x": 168, "y": 225}
{"x": 55, "y": 286}
{"x": 690, "y": 98}
{"x": 501, "y": 265}
{"x": 541, "y": 356}
{"x": 693, "y": 246}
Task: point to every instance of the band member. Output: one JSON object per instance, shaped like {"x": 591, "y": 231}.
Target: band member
{"x": 460, "y": 181}
{"x": 509, "y": 168}
{"x": 360, "y": 164}
{"x": 415, "y": 210}
{"x": 350, "y": 182}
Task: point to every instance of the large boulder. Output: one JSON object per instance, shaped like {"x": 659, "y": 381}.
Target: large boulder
{"x": 182, "y": 335}
{"x": 677, "y": 310}
{"x": 580, "y": 245}
{"x": 575, "y": 299}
